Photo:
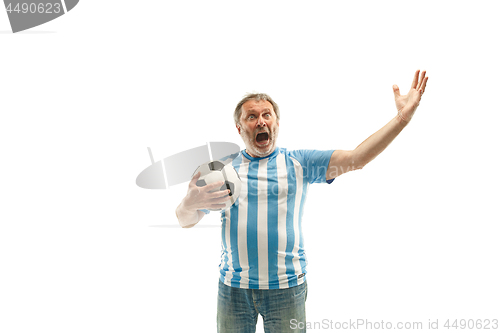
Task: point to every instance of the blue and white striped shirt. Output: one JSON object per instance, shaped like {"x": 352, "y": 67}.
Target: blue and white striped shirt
{"x": 262, "y": 243}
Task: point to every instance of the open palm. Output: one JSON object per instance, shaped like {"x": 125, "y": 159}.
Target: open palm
{"x": 407, "y": 104}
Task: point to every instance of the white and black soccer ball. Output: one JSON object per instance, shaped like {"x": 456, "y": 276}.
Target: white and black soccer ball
{"x": 217, "y": 171}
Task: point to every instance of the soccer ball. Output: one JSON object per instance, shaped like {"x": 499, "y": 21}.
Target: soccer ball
{"x": 217, "y": 171}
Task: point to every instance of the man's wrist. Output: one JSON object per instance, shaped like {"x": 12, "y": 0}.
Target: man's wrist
{"x": 401, "y": 119}
{"x": 186, "y": 217}
{"x": 186, "y": 209}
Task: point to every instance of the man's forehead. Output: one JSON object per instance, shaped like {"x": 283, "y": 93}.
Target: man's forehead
{"x": 261, "y": 105}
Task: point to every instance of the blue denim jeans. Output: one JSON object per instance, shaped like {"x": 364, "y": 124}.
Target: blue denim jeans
{"x": 238, "y": 309}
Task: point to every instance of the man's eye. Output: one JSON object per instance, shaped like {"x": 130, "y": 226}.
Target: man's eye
{"x": 251, "y": 117}
{"x": 267, "y": 115}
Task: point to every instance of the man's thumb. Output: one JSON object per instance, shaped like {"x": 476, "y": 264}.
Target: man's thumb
{"x": 196, "y": 177}
{"x": 396, "y": 90}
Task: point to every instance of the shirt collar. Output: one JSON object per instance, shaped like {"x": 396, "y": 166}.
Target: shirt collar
{"x": 259, "y": 158}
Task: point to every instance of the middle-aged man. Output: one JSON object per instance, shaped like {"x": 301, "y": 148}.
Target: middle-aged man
{"x": 263, "y": 268}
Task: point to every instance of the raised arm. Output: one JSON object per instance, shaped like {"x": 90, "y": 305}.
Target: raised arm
{"x": 343, "y": 161}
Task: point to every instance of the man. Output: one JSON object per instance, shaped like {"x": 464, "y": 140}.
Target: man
{"x": 263, "y": 268}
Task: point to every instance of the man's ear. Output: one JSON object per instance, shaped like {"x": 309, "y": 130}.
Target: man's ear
{"x": 239, "y": 129}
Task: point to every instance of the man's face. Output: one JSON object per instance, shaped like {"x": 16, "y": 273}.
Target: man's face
{"x": 259, "y": 128}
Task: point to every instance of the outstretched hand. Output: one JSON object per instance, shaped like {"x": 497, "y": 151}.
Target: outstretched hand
{"x": 407, "y": 104}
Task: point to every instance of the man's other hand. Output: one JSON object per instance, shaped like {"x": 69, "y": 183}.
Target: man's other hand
{"x": 407, "y": 104}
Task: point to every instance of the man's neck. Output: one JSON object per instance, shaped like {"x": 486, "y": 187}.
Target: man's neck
{"x": 254, "y": 156}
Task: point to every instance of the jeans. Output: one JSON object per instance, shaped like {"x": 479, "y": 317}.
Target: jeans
{"x": 238, "y": 309}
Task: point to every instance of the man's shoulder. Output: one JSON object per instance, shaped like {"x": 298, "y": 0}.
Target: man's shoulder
{"x": 300, "y": 153}
{"x": 309, "y": 156}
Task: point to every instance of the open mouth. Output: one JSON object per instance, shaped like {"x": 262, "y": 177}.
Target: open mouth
{"x": 262, "y": 138}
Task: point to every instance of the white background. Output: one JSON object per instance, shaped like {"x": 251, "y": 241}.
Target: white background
{"x": 413, "y": 236}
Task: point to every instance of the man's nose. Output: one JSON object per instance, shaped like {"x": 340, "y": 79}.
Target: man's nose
{"x": 261, "y": 122}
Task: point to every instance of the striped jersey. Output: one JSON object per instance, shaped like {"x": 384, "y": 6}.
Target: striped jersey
{"x": 262, "y": 243}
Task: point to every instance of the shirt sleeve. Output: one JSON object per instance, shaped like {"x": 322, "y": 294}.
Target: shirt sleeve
{"x": 314, "y": 163}
{"x": 206, "y": 211}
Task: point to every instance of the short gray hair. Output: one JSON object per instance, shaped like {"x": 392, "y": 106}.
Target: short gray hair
{"x": 254, "y": 97}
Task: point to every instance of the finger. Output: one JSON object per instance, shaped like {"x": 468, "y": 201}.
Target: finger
{"x": 195, "y": 178}
{"x": 222, "y": 201}
{"x": 418, "y": 97}
{"x": 424, "y": 84}
{"x": 395, "y": 88}
{"x": 415, "y": 79}
{"x": 219, "y": 201}
{"x": 213, "y": 186}
{"x": 421, "y": 80}
{"x": 220, "y": 194}
{"x": 217, "y": 206}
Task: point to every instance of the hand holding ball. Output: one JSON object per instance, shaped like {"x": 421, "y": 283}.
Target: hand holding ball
{"x": 216, "y": 171}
